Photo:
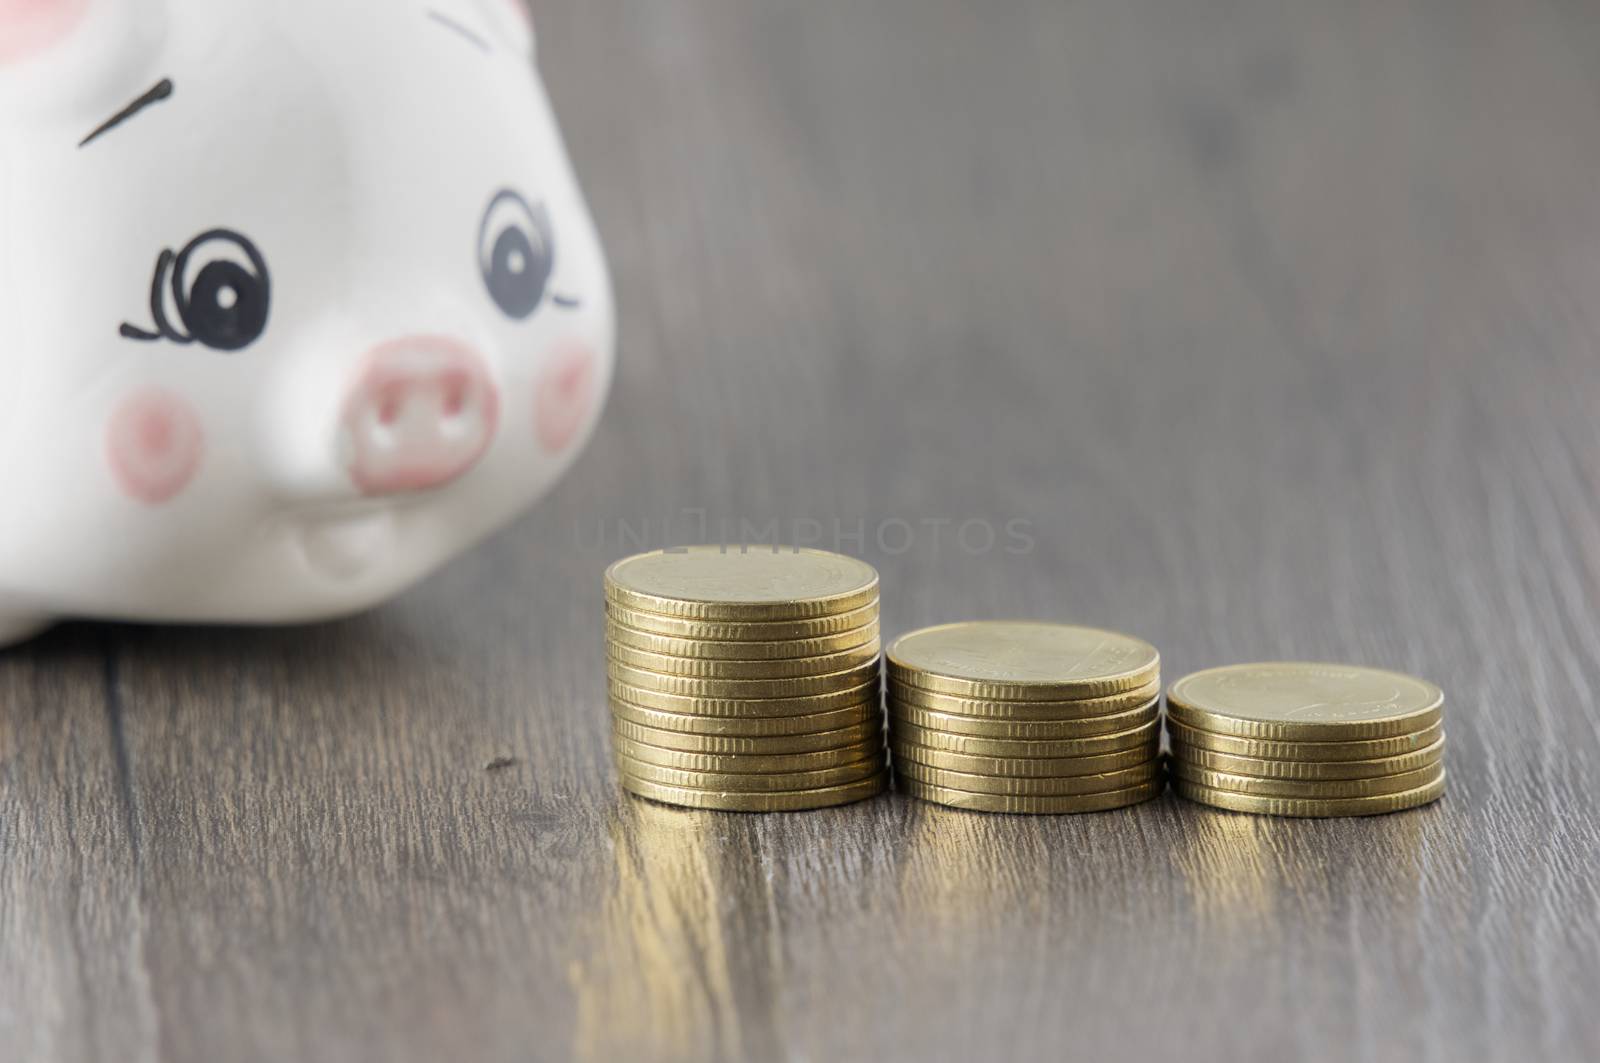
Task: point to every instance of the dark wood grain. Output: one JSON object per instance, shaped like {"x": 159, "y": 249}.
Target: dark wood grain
{"x": 1277, "y": 323}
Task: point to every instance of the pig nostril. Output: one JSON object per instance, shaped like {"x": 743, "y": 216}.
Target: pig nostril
{"x": 455, "y": 395}
{"x": 389, "y": 407}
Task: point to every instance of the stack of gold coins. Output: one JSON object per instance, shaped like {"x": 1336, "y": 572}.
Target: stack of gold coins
{"x": 1010, "y": 716}
{"x": 1292, "y": 739}
{"x": 745, "y": 679}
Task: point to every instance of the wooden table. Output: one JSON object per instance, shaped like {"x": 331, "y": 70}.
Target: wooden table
{"x": 1274, "y": 327}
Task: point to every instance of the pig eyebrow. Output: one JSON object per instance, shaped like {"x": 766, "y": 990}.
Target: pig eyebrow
{"x": 451, "y": 24}
{"x": 161, "y": 91}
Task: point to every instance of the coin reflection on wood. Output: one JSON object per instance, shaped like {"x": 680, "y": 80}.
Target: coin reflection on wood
{"x": 1025, "y": 717}
{"x": 1304, "y": 739}
{"x": 746, "y": 678}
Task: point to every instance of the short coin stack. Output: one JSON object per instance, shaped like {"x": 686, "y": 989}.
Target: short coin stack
{"x": 1015, "y": 716}
{"x": 745, "y": 679}
{"x": 1295, "y": 739}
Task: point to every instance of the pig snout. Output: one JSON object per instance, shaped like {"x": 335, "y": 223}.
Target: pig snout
{"x": 423, "y": 411}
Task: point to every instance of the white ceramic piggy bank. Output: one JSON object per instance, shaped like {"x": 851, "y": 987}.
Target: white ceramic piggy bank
{"x": 298, "y": 299}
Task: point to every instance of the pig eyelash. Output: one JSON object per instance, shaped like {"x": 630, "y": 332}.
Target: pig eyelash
{"x": 162, "y": 91}
{"x": 478, "y": 41}
{"x": 158, "y": 310}
{"x": 209, "y": 320}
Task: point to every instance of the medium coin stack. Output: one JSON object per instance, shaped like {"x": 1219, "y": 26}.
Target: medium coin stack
{"x": 745, "y": 679}
{"x": 1010, "y": 716}
{"x": 1293, "y": 739}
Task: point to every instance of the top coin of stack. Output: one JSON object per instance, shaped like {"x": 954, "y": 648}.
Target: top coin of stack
{"x": 1296, "y": 739}
{"x": 1015, "y": 716}
{"x": 745, "y": 678}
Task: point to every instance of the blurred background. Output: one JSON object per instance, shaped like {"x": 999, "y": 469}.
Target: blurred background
{"x": 1258, "y": 328}
{"x": 1221, "y": 297}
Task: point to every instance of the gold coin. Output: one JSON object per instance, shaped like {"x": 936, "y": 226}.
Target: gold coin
{"x": 711, "y": 649}
{"x": 1022, "y": 767}
{"x": 1068, "y": 728}
{"x": 787, "y": 668}
{"x": 866, "y": 736}
{"x": 748, "y": 782}
{"x": 742, "y": 583}
{"x": 1250, "y": 784}
{"x": 1025, "y": 805}
{"x": 807, "y": 705}
{"x": 1299, "y": 702}
{"x": 732, "y": 801}
{"x": 1309, "y": 770}
{"x": 745, "y": 763}
{"x": 751, "y": 727}
{"x": 1058, "y": 786}
{"x": 1022, "y": 660}
{"x": 743, "y": 631}
{"x": 1356, "y": 749}
{"x": 1060, "y": 731}
{"x": 701, "y": 687}
{"x": 1312, "y": 808}
{"x": 1145, "y": 738}
{"x": 1080, "y": 709}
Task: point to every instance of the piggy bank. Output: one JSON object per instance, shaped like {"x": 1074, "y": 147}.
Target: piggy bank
{"x": 298, "y": 299}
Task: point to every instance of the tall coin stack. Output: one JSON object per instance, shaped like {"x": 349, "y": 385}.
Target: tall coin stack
{"x": 1293, "y": 739}
{"x": 745, "y": 679}
{"x": 1006, "y": 716}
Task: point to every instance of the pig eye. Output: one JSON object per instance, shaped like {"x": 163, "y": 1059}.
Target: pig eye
{"x": 516, "y": 254}
{"x": 222, "y": 290}
{"x": 215, "y": 292}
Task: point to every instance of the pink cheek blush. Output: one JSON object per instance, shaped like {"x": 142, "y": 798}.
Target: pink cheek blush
{"x": 29, "y": 27}
{"x": 564, "y": 396}
{"x": 155, "y": 445}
